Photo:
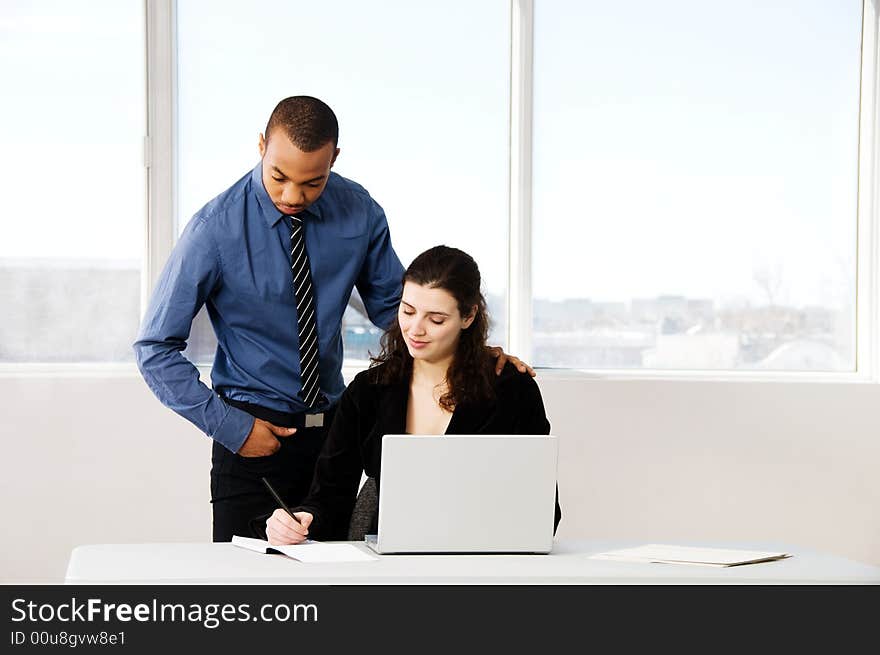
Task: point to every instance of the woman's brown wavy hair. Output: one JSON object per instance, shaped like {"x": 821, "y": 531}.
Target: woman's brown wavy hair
{"x": 469, "y": 378}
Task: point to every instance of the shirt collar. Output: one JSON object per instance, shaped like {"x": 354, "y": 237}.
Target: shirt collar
{"x": 270, "y": 211}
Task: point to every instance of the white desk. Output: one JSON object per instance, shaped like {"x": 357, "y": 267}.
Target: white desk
{"x": 206, "y": 563}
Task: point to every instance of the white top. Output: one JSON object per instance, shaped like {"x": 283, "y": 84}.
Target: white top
{"x": 568, "y": 563}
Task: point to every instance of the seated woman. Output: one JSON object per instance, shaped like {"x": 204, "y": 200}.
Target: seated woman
{"x": 434, "y": 376}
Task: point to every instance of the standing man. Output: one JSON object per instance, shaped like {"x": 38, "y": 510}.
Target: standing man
{"x": 275, "y": 258}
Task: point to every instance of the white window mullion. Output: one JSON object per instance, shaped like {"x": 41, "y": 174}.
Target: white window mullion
{"x": 160, "y": 141}
{"x": 868, "y": 268}
{"x": 519, "y": 305}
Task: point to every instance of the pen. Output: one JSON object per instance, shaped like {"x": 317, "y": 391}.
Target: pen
{"x": 278, "y": 499}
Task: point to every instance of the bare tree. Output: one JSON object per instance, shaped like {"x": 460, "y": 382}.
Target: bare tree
{"x": 769, "y": 280}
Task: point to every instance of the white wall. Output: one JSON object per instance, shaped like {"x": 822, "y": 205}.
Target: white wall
{"x": 92, "y": 460}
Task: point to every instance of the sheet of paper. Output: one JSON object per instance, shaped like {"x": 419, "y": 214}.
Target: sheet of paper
{"x": 667, "y": 554}
{"x": 308, "y": 551}
{"x": 315, "y": 551}
{"x": 257, "y": 545}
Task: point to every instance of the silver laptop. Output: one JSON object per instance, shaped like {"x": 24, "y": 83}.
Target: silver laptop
{"x": 466, "y": 494}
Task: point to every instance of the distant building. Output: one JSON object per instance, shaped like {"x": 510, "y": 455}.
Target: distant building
{"x": 68, "y": 311}
{"x": 84, "y": 311}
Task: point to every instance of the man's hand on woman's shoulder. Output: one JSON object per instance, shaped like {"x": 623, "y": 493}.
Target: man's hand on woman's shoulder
{"x": 503, "y": 358}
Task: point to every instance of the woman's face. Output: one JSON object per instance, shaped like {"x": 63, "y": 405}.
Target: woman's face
{"x": 430, "y": 322}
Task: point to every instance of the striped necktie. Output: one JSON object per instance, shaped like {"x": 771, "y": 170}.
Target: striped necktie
{"x": 305, "y": 313}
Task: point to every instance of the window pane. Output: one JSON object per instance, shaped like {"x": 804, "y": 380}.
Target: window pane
{"x": 72, "y": 126}
{"x": 695, "y": 184}
{"x": 422, "y": 101}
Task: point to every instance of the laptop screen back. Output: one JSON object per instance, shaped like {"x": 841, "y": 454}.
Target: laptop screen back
{"x": 467, "y": 493}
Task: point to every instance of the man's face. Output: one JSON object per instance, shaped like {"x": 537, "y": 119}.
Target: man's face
{"x": 294, "y": 179}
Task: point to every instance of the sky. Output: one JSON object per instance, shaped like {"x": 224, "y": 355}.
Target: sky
{"x": 683, "y": 147}
{"x": 71, "y": 129}
{"x": 680, "y": 147}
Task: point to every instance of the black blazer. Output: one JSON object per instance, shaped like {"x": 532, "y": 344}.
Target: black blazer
{"x": 368, "y": 410}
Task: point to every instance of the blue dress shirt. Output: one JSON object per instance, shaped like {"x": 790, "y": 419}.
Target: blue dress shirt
{"x": 234, "y": 257}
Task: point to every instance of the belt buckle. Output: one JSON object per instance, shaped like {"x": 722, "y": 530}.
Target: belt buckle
{"x": 315, "y": 420}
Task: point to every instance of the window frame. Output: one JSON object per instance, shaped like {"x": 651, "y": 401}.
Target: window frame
{"x": 867, "y": 337}
{"x": 152, "y": 225}
{"x": 160, "y": 164}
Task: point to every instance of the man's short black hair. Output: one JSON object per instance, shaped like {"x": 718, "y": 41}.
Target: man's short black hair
{"x": 308, "y": 122}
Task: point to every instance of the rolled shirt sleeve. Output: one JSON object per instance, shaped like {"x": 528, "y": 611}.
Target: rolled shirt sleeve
{"x": 185, "y": 284}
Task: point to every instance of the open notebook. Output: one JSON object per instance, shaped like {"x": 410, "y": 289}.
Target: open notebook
{"x": 308, "y": 551}
{"x": 666, "y": 554}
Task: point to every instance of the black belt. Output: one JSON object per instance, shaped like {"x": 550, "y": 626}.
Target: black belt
{"x": 283, "y": 419}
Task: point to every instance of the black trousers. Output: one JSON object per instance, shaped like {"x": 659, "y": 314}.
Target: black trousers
{"x": 240, "y": 500}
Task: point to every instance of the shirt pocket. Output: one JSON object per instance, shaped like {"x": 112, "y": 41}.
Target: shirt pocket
{"x": 257, "y": 271}
{"x": 269, "y": 296}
